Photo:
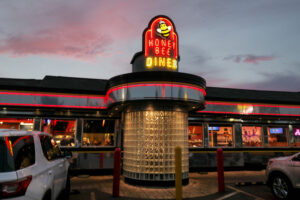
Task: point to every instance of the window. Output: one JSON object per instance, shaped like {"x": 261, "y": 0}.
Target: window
{"x": 277, "y": 136}
{"x": 252, "y": 136}
{"x": 51, "y": 150}
{"x": 98, "y": 133}
{"x": 16, "y": 152}
{"x": 296, "y": 132}
{"x": 195, "y": 136}
{"x": 220, "y": 136}
{"x": 17, "y": 123}
{"x": 62, "y": 130}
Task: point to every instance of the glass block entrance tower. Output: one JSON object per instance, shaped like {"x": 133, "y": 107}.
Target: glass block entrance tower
{"x": 150, "y": 137}
{"x": 154, "y": 101}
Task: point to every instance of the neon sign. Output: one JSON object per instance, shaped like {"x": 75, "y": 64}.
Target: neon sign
{"x": 297, "y": 132}
{"x": 161, "y": 45}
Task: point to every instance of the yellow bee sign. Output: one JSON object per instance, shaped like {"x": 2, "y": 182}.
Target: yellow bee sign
{"x": 161, "y": 45}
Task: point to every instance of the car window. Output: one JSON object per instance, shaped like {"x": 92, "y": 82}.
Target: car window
{"x": 51, "y": 150}
{"x": 16, "y": 152}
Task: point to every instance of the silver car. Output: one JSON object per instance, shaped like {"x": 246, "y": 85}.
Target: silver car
{"x": 283, "y": 176}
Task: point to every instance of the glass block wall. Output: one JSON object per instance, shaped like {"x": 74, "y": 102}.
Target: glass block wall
{"x": 150, "y": 138}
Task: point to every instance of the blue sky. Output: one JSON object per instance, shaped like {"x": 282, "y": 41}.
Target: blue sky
{"x": 233, "y": 43}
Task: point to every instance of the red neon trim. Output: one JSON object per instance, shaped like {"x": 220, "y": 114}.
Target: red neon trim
{"x": 149, "y": 35}
{"x": 57, "y": 106}
{"x": 145, "y": 40}
{"x": 17, "y": 120}
{"x": 239, "y": 113}
{"x": 21, "y": 138}
{"x": 256, "y": 105}
{"x": 155, "y": 85}
{"x": 51, "y": 95}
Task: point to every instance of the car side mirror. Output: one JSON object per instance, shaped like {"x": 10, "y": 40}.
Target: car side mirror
{"x": 67, "y": 154}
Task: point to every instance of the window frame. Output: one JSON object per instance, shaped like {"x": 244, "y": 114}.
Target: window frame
{"x": 115, "y": 133}
{"x": 286, "y": 132}
{"x": 262, "y": 135}
{"x": 58, "y": 118}
{"x": 224, "y": 125}
{"x": 202, "y": 127}
{"x": 43, "y": 150}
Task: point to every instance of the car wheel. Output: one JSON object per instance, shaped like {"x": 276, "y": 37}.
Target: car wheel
{"x": 47, "y": 195}
{"x": 68, "y": 187}
{"x": 281, "y": 187}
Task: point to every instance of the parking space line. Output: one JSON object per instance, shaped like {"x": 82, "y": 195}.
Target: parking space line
{"x": 93, "y": 196}
{"x": 246, "y": 193}
{"x": 228, "y": 195}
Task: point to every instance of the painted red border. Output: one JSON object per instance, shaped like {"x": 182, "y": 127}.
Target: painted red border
{"x": 155, "y": 85}
{"x": 249, "y": 104}
{"x": 55, "y": 106}
{"x": 52, "y": 95}
{"x": 239, "y": 113}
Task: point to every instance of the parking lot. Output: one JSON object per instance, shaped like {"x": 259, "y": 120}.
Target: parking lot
{"x": 246, "y": 185}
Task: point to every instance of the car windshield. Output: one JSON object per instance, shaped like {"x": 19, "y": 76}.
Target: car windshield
{"x": 16, "y": 152}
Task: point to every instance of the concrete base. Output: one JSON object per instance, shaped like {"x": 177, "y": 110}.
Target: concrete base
{"x": 153, "y": 183}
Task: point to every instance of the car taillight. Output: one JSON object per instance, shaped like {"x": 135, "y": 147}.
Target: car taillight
{"x": 15, "y": 189}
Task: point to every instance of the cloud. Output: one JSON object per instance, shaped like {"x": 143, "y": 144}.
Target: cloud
{"x": 77, "y": 30}
{"x": 249, "y": 58}
{"x": 273, "y": 82}
{"x": 79, "y": 45}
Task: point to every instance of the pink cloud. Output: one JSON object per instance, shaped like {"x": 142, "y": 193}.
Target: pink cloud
{"x": 249, "y": 58}
{"x": 78, "y": 30}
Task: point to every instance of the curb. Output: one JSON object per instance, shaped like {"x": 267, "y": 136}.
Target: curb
{"x": 250, "y": 183}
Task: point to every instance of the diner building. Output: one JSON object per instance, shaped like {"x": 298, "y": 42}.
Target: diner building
{"x": 150, "y": 111}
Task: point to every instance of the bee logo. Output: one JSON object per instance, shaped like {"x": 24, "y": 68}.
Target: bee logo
{"x": 163, "y": 30}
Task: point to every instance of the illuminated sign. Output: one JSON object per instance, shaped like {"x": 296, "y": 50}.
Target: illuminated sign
{"x": 297, "y": 132}
{"x": 276, "y": 130}
{"x": 160, "y": 45}
{"x": 215, "y": 128}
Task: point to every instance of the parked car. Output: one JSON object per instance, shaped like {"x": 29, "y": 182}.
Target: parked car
{"x": 31, "y": 166}
{"x": 283, "y": 176}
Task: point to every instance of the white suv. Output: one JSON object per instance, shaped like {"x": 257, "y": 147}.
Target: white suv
{"x": 31, "y": 166}
{"x": 283, "y": 176}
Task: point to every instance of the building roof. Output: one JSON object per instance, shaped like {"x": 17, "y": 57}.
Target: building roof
{"x": 56, "y": 84}
{"x": 242, "y": 95}
{"x": 98, "y": 86}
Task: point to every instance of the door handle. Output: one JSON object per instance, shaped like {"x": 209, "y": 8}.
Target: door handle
{"x": 50, "y": 172}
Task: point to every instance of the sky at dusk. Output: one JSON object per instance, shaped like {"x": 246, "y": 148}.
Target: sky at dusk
{"x": 235, "y": 44}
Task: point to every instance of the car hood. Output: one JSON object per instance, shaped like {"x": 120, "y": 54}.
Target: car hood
{"x": 282, "y": 158}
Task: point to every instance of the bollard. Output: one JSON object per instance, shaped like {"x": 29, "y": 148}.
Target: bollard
{"x": 101, "y": 160}
{"x": 178, "y": 173}
{"x": 116, "y": 178}
{"x": 220, "y": 161}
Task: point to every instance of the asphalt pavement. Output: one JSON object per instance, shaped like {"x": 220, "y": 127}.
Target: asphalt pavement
{"x": 245, "y": 185}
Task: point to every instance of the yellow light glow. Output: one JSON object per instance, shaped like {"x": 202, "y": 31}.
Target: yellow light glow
{"x": 149, "y": 141}
{"x": 162, "y": 62}
{"x": 149, "y": 62}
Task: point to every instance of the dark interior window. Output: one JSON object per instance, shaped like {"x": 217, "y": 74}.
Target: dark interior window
{"x": 16, "y": 152}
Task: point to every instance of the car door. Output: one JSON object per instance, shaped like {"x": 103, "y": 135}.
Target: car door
{"x": 55, "y": 167}
{"x": 296, "y": 170}
{"x": 61, "y": 168}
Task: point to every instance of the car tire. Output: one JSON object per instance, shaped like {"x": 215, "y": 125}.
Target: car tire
{"x": 47, "y": 195}
{"x": 281, "y": 187}
{"x": 66, "y": 192}
{"x": 68, "y": 187}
